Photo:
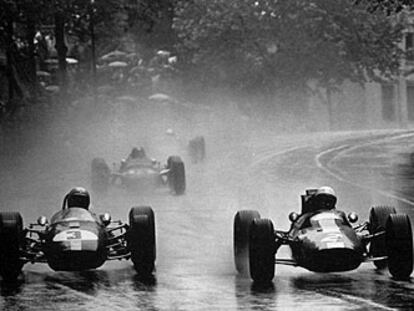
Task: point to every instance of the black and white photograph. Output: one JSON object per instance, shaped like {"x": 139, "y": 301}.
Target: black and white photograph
{"x": 197, "y": 155}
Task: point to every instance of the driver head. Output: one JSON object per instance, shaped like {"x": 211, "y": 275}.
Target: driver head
{"x": 137, "y": 152}
{"x": 78, "y": 197}
{"x": 325, "y": 198}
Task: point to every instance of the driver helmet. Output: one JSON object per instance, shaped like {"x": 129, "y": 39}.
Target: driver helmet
{"x": 78, "y": 197}
{"x": 137, "y": 152}
{"x": 325, "y": 198}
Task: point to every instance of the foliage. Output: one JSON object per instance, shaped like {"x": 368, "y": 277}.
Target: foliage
{"x": 150, "y": 21}
{"x": 388, "y": 6}
{"x": 107, "y": 16}
{"x": 18, "y": 22}
{"x": 254, "y": 46}
{"x": 279, "y": 45}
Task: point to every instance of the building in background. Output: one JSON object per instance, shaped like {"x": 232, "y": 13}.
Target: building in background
{"x": 393, "y": 102}
{"x": 374, "y": 105}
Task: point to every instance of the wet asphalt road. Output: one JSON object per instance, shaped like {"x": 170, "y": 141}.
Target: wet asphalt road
{"x": 195, "y": 268}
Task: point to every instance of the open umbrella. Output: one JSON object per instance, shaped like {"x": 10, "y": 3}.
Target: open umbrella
{"x": 163, "y": 53}
{"x": 51, "y": 61}
{"x": 117, "y": 64}
{"x": 113, "y": 54}
{"x": 42, "y": 73}
{"x": 71, "y": 61}
{"x": 160, "y": 97}
{"x": 52, "y": 88}
{"x": 127, "y": 98}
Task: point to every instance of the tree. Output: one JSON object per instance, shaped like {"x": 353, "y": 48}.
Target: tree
{"x": 18, "y": 28}
{"x": 279, "y": 46}
{"x": 151, "y": 22}
{"x": 388, "y": 6}
{"x": 10, "y": 11}
{"x": 22, "y": 19}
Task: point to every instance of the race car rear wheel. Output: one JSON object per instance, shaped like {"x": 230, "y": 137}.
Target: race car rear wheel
{"x": 399, "y": 242}
{"x": 241, "y": 228}
{"x": 100, "y": 175}
{"x": 176, "y": 175}
{"x": 11, "y": 240}
{"x": 262, "y": 251}
{"x": 141, "y": 239}
{"x": 378, "y": 216}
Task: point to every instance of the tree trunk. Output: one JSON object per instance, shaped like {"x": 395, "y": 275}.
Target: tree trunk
{"x": 163, "y": 27}
{"x": 13, "y": 86}
{"x": 31, "y": 32}
{"x": 61, "y": 48}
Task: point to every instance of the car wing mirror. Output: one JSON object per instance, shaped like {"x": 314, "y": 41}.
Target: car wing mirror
{"x": 293, "y": 216}
{"x": 352, "y": 217}
{"x": 106, "y": 219}
{"x": 42, "y": 221}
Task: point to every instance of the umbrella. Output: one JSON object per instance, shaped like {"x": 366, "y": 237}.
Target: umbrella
{"x": 51, "y": 61}
{"x": 160, "y": 97}
{"x": 127, "y": 98}
{"x": 71, "y": 61}
{"x": 163, "y": 53}
{"x": 52, "y": 88}
{"x": 113, "y": 54}
{"x": 132, "y": 55}
{"x": 42, "y": 73}
{"x": 118, "y": 64}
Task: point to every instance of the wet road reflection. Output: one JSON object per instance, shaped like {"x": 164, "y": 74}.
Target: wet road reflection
{"x": 195, "y": 268}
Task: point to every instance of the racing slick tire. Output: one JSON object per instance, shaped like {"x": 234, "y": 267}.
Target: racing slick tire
{"x": 176, "y": 175}
{"x": 378, "y": 216}
{"x": 141, "y": 239}
{"x": 241, "y": 228}
{"x": 100, "y": 175}
{"x": 262, "y": 251}
{"x": 11, "y": 240}
{"x": 399, "y": 243}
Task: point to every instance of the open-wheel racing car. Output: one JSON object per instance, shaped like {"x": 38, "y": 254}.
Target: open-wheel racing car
{"x": 324, "y": 239}
{"x": 139, "y": 172}
{"x": 76, "y": 239}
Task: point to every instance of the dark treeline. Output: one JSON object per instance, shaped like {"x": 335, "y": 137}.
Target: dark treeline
{"x": 252, "y": 48}
{"x": 55, "y": 46}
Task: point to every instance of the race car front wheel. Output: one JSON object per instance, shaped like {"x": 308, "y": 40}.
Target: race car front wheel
{"x": 176, "y": 175}
{"x": 378, "y": 216}
{"x": 11, "y": 237}
{"x": 241, "y": 228}
{"x": 262, "y": 251}
{"x": 399, "y": 242}
{"x": 141, "y": 239}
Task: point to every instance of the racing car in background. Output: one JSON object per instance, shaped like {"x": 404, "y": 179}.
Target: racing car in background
{"x": 139, "y": 172}
{"x": 324, "y": 240}
{"x": 76, "y": 239}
